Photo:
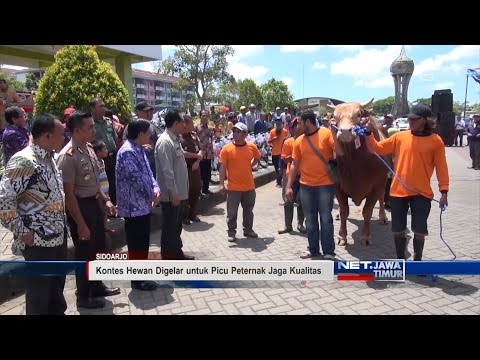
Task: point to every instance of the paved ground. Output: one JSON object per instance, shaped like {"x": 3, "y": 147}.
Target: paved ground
{"x": 207, "y": 241}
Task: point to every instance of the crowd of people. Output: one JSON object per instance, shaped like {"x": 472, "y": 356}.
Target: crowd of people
{"x": 64, "y": 178}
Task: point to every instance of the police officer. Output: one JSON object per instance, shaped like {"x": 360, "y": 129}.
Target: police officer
{"x": 84, "y": 200}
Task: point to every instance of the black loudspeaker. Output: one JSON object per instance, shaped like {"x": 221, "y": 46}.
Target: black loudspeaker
{"x": 442, "y": 101}
{"x": 445, "y": 127}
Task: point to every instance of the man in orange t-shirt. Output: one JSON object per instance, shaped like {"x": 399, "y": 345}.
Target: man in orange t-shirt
{"x": 296, "y": 129}
{"x": 275, "y": 138}
{"x": 236, "y": 162}
{"x": 417, "y": 152}
{"x": 317, "y": 190}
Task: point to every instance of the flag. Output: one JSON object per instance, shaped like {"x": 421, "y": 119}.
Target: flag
{"x": 475, "y": 74}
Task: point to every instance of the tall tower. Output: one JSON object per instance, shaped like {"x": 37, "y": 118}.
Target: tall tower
{"x": 401, "y": 70}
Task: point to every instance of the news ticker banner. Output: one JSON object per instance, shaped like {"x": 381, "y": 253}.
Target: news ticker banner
{"x": 343, "y": 270}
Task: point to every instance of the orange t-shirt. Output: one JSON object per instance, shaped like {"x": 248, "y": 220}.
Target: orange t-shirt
{"x": 238, "y": 162}
{"x": 277, "y": 143}
{"x": 415, "y": 158}
{"x": 313, "y": 171}
{"x": 287, "y": 150}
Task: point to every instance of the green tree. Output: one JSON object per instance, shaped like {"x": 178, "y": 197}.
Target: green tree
{"x": 13, "y": 83}
{"x": 383, "y": 106}
{"x": 275, "y": 93}
{"x": 227, "y": 93}
{"x": 200, "y": 66}
{"x": 423, "y": 101}
{"x": 248, "y": 93}
{"x": 77, "y": 76}
{"x": 32, "y": 79}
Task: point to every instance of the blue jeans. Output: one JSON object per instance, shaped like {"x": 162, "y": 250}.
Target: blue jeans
{"x": 319, "y": 200}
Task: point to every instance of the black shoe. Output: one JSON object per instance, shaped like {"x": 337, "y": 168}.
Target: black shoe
{"x": 186, "y": 222}
{"x": 105, "y": 291}
{"x": 302, "y": 229}
{"x": 90, "y": 303}
{"x": 188, "y": 257}
{"x": 195, "y": 219}
{"x": 285, "y": 230}
{"x": 250, "y": 234}
{"x": 206, "y": 192}
{"x": 144, "y": 285}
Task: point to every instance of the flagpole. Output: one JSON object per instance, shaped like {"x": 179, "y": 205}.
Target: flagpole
{"x": 465, "y": 104}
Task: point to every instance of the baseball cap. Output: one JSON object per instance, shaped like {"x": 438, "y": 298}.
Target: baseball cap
{"x": 241, "y": 126}
{"x": 143, "y": 106}
{"x": 68, "y": 111}
{"x": 252, "y": 106}
{"x": 419, "y": 111}
{"x": 231, "y": 115}
{"x": 277, "y": 108}
{"x": 243, "y": 107}
{"x": 390, "y": 116}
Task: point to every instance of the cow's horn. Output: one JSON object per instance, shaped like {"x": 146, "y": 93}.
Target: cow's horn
{"x": 367, "y": 104}
{"x": 330, "y": 105}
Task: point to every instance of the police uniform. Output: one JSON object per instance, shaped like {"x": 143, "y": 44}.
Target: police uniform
{"x": 80, "y": 167}
{"x": 191, "y": 143}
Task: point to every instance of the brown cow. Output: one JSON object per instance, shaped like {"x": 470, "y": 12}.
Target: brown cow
{"x": 362, "y": 175}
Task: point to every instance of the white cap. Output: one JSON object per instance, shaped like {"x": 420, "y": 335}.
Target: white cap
{"x": 241, "y": 126}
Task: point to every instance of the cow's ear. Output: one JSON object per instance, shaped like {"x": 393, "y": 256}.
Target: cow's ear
{"x": 367, "y": 104}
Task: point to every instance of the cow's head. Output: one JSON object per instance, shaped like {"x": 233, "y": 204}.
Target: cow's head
{"x": 347, "y": 116}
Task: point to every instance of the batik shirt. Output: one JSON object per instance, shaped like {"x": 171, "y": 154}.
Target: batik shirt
{"x": 205, "y": 134}
{"x": 32, "y": 198}
{"x": 134, "y": 180}
{"x": 14, "y": 139}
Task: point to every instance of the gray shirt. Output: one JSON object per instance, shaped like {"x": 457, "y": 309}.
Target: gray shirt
{"x": 172, "y": 173}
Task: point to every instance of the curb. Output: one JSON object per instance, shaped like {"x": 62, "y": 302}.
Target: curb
{"x": 11, "y": 285}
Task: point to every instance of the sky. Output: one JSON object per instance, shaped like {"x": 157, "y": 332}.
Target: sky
{"x": 354, "y": 72}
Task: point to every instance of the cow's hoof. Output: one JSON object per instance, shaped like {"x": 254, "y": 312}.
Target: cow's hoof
{"x": 337, "y": 216}
{"x": 342, "y": 241}
{"x": 383, "y": 220}
{"x": 366, "y": 240}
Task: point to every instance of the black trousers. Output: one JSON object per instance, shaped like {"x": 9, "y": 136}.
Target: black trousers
{"x": 110, "y": 164}
{"x": 276, "y": 165}
{"x": 93, "y": 216}
{"x": 205, "y": 173}
{"x": 171, "y": 241}
{"x": 44, "y": 294}
{"x": 459, "y": 137}
{"x": 137, "y": 230}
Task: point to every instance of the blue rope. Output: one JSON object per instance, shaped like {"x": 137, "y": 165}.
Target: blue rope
{"x": 360, "y": 130}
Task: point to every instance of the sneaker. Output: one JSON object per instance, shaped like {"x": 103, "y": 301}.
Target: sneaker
{"x": 250, "y": 234}
{"x": 329, "y": 257}
{"x": 231, "y": 238}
